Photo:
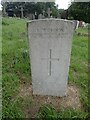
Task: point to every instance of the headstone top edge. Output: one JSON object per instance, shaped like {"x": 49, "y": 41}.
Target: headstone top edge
{"x": 51, "y": 19}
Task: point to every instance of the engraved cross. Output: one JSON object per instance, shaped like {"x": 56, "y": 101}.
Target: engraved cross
{"x": 50, "y": 60}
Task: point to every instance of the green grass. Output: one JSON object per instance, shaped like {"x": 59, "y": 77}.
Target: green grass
{"x": 16, "y": 68}
{"x": 49, "y": 113}
{"x": 15, "y": 64}
{"x": 79, "y": 67}
{"x": 0, "y": 68}
{"x": 82, "y": 30}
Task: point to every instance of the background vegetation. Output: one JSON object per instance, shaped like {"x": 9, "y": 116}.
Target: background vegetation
{"x": 77, "y": 10}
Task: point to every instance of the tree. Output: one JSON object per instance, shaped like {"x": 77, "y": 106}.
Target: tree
{"x": 79, "y": 11}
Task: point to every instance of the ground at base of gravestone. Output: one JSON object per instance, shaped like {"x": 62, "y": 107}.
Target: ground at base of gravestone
{"x": 72, "y": 99}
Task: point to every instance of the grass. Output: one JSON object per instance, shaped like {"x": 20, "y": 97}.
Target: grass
{"x": 16, "y": 68}
{"x": 0, "y": 68}
{"x": 83, "y": 30}
{"x": 49, "y": 113}
{"x": 16, "y": 65}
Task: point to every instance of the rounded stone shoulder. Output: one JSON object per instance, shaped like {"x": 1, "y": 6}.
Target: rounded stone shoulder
{"x": 50, "y": 19}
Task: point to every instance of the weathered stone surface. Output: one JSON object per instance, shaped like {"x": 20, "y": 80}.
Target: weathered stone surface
{"x": 50, "y": 42}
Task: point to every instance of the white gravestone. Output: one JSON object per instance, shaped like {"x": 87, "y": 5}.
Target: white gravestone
{"x": 50, "y": 42}
{"x": 77, "y": 24}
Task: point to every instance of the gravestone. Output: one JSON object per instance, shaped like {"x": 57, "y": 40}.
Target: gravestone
{"x": 0, "y": 13}
{"x": 31, "y": 16}
{"x": 49, "y": 12}
{"x": 50, "y": 42}
{"x": 40, "y": 16}
{"x": 83, "y": 24}
{"x": 59, "y": 16}
{"x": 36, "y": 15}
{"x": 80, "y": 23}
{"x": 75, "y": 23}
{"x": 4, "y": 9}
{"x": 43, "y": 16}
{"x": 22, "y": 10}
{"x": 77, "y": 26}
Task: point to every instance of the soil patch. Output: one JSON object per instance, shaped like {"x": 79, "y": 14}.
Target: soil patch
{"x": 72, "y": 99}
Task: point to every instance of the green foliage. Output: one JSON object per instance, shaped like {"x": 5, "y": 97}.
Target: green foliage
{"x": 80, "y": 11}
{"x": 10, "y": 107}
{"x": 79, "y": 66}
{"x": 72, "y": 114}
{"x": 5, "y": 23}
{"x": 49, "y": 113}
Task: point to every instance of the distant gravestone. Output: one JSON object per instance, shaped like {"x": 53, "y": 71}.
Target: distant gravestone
{"x": 83, "y": 24}
{"x": 0, "y": 13}
{"x": 77, "y": 26}
{"x": 31, "y": 16}
{"x": 4, "y": 10}
{"x": 50, "y": 42}
{"x": 40, "y": 16}
{"x": 75, "y": 23}
{"x": 86, "y": 25}
{"x": 49, "y": 12}
{"x": 36, "y": 15}
{"x": 59, "y": 16}
{"x": 22, "y": 12}
{"x": 80, "y": 23}
{"x": 43, "y": 16}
